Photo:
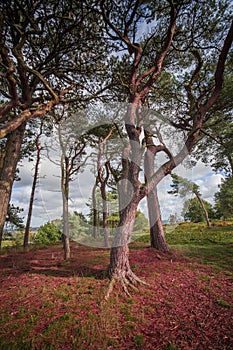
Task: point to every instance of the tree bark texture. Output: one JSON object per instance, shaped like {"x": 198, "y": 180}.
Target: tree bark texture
{"x": 157, "y": 236}
{"x": 8, "y": 170}
{"x": 66, "y": 237}
{"x": 95, "y": 212}
{"x": 119, "y": 254}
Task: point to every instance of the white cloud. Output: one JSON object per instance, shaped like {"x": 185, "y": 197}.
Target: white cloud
{"x": 48, "y": 199}
{"x": 209, "y": 185}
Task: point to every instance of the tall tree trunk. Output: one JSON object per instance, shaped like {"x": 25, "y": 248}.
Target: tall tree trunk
{"x": 7, "y": 175}
{"x": 35, "y": 178}
{"x": 119, "y": 261}
{"x": 65, "y": 204}
{"x": 157, "y": 236}
{"x": 103, "y": 176}
{"x": 203, "y": 209}
{"x": 119, "y": 268}
{"x": 119, "y": 254}
{"x": 139, "y": 88}
{"x": 65, "y": 174}
{"x": 66, "y": 237}
{"x": 105, "y": 213}
{"x": 95, "y": 212}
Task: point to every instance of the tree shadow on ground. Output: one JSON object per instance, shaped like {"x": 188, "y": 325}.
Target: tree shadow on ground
{"x": 51, "y": 263}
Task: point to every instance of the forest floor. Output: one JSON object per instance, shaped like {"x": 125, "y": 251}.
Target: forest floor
{"x": 49, "y": 303}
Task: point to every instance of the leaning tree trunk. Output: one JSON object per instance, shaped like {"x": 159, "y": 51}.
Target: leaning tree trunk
{"x": 7, "y": 172}
{"x": 203, "y": 209}
{"x": 157, "y": 236}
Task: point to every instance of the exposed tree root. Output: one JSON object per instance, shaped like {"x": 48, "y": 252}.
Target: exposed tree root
{"x": 127, "y": 280}
{"x": 110, "y": 288}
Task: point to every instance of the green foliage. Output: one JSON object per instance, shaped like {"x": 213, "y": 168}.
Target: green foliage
{"x": 48, "y": 233}
{"x": 218, "y": 138}
{"x": 171, "y": 346}
{"x": 212, "y": 246}
{"x": 139, "y": 340}
{"x": 224, "y": 303}
{"x": 13, "y": 220}
{"x": 224, "y": 199}
{"x": 182, "y": 186}
{"x": 78, "y": 225}
{"x": 141, "y": 221}
{"x": 194, "y": 213}
{"x": 112, "y": 207}
{"x": 68, "y": 323}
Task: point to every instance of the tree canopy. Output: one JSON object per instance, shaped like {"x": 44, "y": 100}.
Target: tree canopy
{"x": 193, "y": 212}
{"x": 47, "y": 50}
{"x": 224, "y": 199}
{"x": 166, "y": 59}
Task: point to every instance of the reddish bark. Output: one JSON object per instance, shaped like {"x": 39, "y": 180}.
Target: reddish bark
{"x": 133, "y": 128}
{"x": 8, "y": 170}
{"x": 157, "y": 234}
{"x": 137, "y": 97}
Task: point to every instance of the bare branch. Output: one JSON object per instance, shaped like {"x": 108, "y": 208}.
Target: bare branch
{"x": 24, "y": 116}
{"x": 10, "y": 71}
{"x": 156, "y": 70}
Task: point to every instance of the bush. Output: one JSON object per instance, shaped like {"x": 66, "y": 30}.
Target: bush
{"x": 48, "y": 233}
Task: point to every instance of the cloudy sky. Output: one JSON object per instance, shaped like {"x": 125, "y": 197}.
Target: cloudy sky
{"x": 48, "y": 200}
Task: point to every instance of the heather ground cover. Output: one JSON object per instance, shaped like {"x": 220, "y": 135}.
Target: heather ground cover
{"x": 49, "y": 303}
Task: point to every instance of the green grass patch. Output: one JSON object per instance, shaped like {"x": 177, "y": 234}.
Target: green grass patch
{"x": 213, "y": 246}
{"x": 52, "y": 311}
{"x": 224, "y": 303}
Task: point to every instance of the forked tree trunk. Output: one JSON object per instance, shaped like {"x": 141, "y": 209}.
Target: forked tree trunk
{"x": 8, "y": 170}
{"x": 65, "y": 174}
{"x": 119, "y": 262}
